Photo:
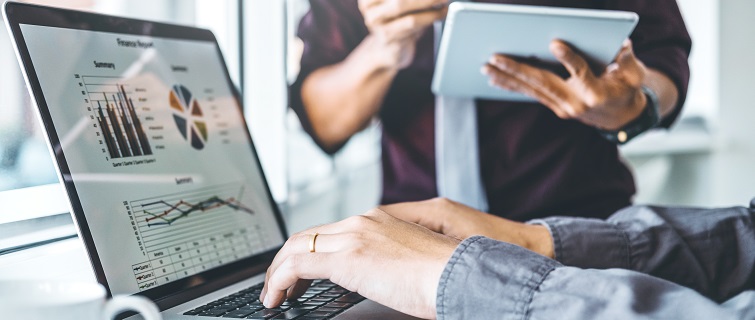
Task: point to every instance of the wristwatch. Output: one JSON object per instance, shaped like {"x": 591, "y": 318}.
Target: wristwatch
{"x": 648, "y": 119}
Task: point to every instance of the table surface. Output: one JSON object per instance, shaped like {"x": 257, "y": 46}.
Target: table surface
{"x": 65, "y": 259}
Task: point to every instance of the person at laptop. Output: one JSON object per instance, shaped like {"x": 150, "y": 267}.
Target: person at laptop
{"x": 366, "y": 59}
{"x": 642, "y": 262}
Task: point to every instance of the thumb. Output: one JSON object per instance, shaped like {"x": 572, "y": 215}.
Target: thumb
{"x": 632, "y": 70}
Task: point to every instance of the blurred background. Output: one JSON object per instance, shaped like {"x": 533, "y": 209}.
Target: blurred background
{"x": 707, "y": 159}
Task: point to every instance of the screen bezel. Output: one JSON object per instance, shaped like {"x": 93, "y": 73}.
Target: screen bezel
{"x": 167, "y": 295}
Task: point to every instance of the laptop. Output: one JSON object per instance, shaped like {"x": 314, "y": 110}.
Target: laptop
{"x": 164, "y": 183}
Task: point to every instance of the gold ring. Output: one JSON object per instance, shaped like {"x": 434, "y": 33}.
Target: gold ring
{"x": 312, "y": 242}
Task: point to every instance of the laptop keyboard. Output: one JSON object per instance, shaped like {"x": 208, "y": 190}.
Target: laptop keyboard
{"x": 323, "y": 300}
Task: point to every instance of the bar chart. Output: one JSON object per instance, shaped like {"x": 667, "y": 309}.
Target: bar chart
{"x": 122, "y": 131}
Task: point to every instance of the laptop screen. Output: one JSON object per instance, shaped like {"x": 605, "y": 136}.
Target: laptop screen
{"x": 155, "y": 145}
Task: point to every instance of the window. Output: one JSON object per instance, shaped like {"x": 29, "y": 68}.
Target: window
{"x": 701, "y": 17}
{"x": 24, "y": 157}
{"x": 351, "y": 178}
{"x": 312, "y": 186}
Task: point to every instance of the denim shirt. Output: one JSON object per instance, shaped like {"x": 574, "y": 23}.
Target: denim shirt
{"x": 642, "y": 262}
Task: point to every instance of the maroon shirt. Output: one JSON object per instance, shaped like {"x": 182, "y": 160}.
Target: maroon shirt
{"x": 532, "y": 163}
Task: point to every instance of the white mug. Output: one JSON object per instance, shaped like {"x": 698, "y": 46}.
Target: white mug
{"x": 45, "y": 300}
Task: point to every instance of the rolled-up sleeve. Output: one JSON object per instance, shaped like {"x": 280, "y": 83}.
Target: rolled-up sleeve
{"x": 487, "y": 279}
{"x": 709, "y": 250}
{"x": 573, "y": 293}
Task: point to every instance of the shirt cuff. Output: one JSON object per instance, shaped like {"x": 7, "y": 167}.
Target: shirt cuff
{"x": 588, "y": 243}
{"x": 488, "y": 279}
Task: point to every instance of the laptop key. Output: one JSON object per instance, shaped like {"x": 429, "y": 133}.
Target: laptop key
{"x": 339, "y": 290}
{"x": 314, "y": 303}
{"x": 213, "y": 313}
{"x": 322, "y": 287}
{"x": 252, "y": 308}
{"x": 319, "y": 314}
{"x": 291, "y": 314}
{"x": 330, "y": 310}
{"x": 223, "y": 309}
{"x": 238, "y": 314}
{"x": 339, "y": 305}
{"x": 304, "y": 307}
{"x": 350, "y": 298}
{"x": 280, "y": 308}
{"x": 291, "y": 303}
{"x": 263, "y": 314}
{"x": 234, "y": 305}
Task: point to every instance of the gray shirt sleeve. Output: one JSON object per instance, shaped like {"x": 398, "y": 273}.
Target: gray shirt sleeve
{"x": 709, "y": 250}
{"x": 487, "y": 279}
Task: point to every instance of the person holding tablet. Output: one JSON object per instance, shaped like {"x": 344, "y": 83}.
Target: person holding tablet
{"x": 375, "y": 58}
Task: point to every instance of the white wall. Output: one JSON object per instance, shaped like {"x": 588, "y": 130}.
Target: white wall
{"x": 723, "y": 172}
{"x": 737, "y": 70}
{"x": 703, "y": 24}
{"x": 223, "y": 19}
{"x": 734, "y": 175}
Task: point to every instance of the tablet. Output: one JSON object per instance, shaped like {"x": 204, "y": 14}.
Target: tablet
{"x": 473, "y": 32}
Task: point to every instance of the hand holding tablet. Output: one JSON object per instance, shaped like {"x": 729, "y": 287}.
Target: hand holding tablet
{"x": 607, "y": 101}
{"x": 474, "y": 32}
{"x": 601, "y": 91}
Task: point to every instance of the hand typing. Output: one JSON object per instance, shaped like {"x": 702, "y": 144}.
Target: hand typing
{"x": 385, "y": 259}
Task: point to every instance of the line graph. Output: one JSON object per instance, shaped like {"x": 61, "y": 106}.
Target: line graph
{"x": 185, "y": 233}
{"x": 164, "y": 220}
{"x": 165, "y": 217}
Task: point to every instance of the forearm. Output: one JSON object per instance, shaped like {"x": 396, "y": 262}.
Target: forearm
{"x": 711, "y": 251}
{"x": 341, "y": 99}
{"x": 486, "y": 279}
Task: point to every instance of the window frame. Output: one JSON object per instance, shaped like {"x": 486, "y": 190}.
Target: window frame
{"x": 22, "y": 208}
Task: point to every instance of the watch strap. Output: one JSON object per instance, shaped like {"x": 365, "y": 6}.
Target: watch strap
{"x": 648, "y": 119}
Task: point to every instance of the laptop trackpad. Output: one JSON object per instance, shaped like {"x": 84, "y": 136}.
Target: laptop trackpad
{"x": 371, "y": 310}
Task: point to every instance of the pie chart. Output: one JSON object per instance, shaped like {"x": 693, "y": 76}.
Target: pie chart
{"x": 188, "y": 116}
